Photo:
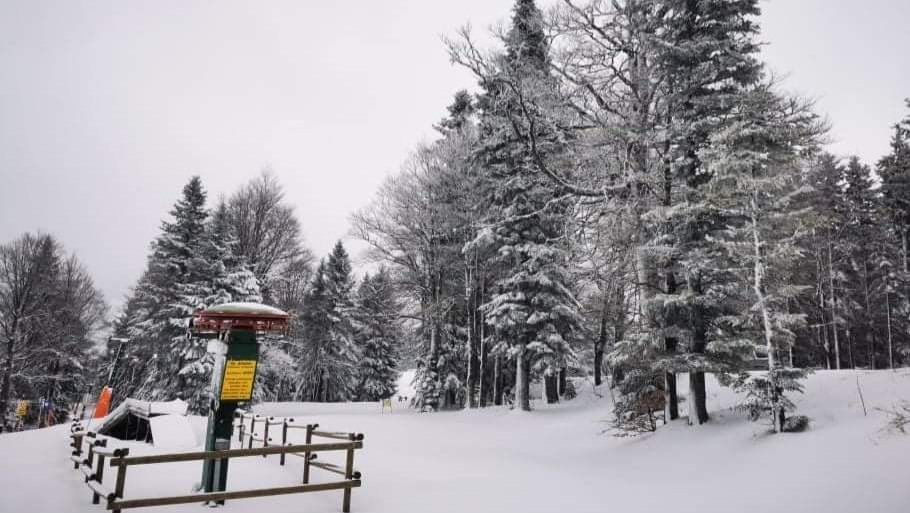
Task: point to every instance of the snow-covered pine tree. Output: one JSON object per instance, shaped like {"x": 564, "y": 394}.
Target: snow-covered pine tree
{"x": 708, "y": 55}
{"x": 894, "y": 170}
{"x": 234, "y": 280}
{"x": 173, "y": 288}
{"x": 531, "y": 309}
{"x": 215, "y": 275}
{"x": 864, "y": 246}
{"x": 328, "y": 354}
{"x": 825, "y": 175}
{"x": 376, "y": 336}
{"x": 756, "y": 163}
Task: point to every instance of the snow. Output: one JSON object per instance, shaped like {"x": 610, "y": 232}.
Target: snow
{"x": 406, "y": 384}
{"x": 246, "y": 308}
{"x": 173, "y": 432}
{"x": 143, "y": 409}
{"x": 556, "y": 458}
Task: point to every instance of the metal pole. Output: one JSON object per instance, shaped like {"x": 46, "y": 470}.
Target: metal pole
{"x": 122, "y": 341}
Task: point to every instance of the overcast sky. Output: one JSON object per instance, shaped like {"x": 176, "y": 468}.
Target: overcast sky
{"x": 108, "y": 107}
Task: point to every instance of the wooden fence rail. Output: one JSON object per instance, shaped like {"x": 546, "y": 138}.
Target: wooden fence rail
{"x": 97, "y": 453}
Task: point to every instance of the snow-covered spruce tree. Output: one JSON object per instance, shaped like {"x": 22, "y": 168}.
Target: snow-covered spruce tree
{"x": 192, "y": 265}
{"x": 376, "y": 336}
{"x": 328, "y": 355}
{"x": 136, "y": 371}
{"x": 709, "y": 53}
{"x": 215, "y": 275}
{"x": 175, "y": 277}
{"x": 233, "y": 278}
{"x": 237, "y": 282}
{"x": 531, "y": 308}
{"x": 894, "y": 170}
{"x": 825, "y": 175}
{"x": 756, "y": 162}
{"x": 865, "y": 250}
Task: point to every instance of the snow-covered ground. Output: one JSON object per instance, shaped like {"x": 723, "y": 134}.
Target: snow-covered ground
{"x": 557, "y": 458}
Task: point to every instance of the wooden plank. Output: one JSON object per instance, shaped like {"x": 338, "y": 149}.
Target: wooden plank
{"x": 234, "y": 453}
{"x": 110, "y": 452}
{"x": 331, "y": 467}
{"x": 240, "y": 494}
{"x": 348, "y": 474}
{"x": 101, "y": 490}
{"x": 87, "y": 472}
{"x": 337, "y": 436}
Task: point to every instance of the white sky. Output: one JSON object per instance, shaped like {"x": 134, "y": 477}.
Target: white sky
{"x": 107, "y": 107}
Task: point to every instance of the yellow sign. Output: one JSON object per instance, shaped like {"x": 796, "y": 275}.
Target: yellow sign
{"x": 237, "y": 384}
{"x": 22, "y": 409}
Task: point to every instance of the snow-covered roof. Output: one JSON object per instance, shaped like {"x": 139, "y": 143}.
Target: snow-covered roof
{"x": 246, "y": 308}
{"x": 143, "y": 409}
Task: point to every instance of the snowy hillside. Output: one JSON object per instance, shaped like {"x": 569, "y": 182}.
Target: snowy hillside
{"x": 556, "y": 458}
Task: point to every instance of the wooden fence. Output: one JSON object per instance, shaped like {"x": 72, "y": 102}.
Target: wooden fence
{"x": 90, "y": 454}
{"x": 247, "y": 435}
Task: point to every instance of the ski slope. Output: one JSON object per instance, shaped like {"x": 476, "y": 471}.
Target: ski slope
{"x": 555, "y": 459}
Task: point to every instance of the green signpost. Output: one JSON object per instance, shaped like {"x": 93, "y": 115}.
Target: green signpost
{"x": 232, "y": 329}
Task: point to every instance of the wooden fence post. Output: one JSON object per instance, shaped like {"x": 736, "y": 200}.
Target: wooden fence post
{"x": 121, "y": 475}
{"x": 306, "y": 454}
{"x": 252, "y": 431}
{"x": 77, "y": 448}
{"x": 348, "y": 474}
{"x": 284, "y": 437}
{"x": 91, "y": 456}
{"x": 99, "y": 475}
{"x": 265, "y": 435}
{"x": 240, "y": 431}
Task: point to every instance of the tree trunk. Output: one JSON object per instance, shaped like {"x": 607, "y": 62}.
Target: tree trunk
{"x": 890, "y": 341}
{"x": 470, "y": 315}
{"x": 850, "y": 348}
{"x": 646, "y": 286}
{"x": 599, "y": 345}
{"x": 904, "y": 250}
{"x": 670, "y": 395}
{"x": 551, "y": 387}
{"x": 870, "y": 329}
{"x": 758, "y": 285}
{"x": 522, "y": 385}
{"x": 698, "y": 408}
{"x": 6, "y": 386}
{"x": 563, "y": 376}
{"x": 619, "y": 329}
{"x": 822, "y": 328}
{"x": 482, "y": 371}
{"x": 833, "y": 302}
{"x": 598, "y": 365}
{"x": 497, "y": 380}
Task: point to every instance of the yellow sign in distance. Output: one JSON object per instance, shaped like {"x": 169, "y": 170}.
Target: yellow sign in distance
{"x": 237, "y": 384}
{"x": 22, "y": 409}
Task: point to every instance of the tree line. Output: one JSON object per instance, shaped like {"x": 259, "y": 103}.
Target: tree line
{"x": 631, "y": 194}
{"x": 628, "y": 195}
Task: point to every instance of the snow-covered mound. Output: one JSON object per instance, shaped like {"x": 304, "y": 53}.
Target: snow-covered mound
{"x": 406, "y": 383}
{"x": 173, "y": 432}
{"x": 556, "y": 458}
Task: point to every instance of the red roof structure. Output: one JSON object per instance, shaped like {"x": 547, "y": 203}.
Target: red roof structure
{"x": 243, "y": 316}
